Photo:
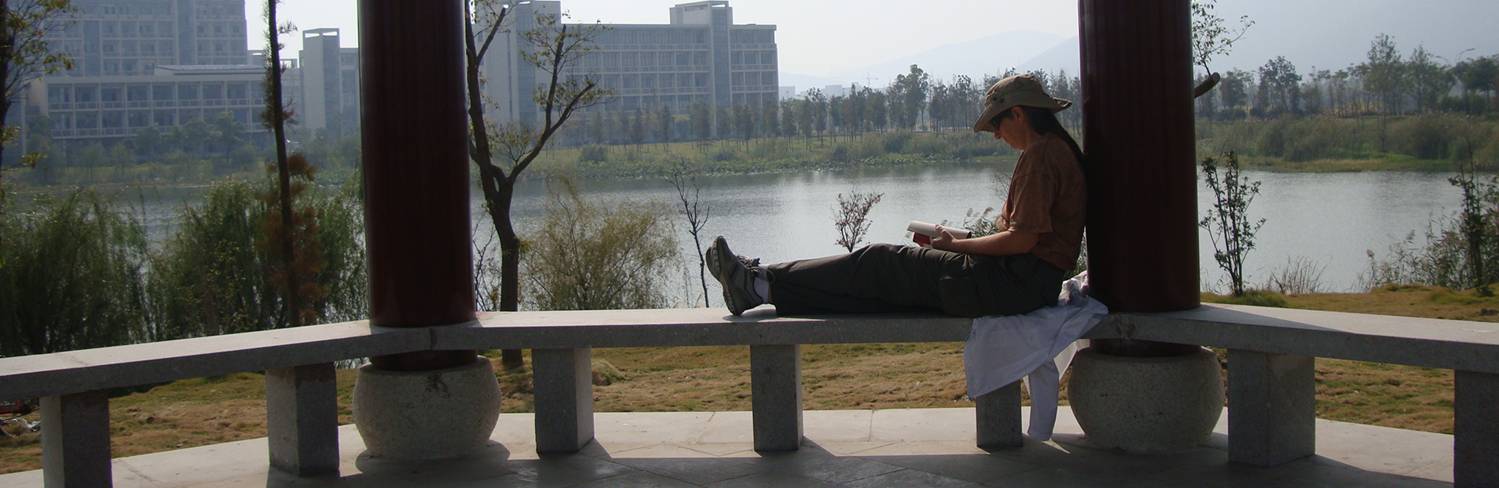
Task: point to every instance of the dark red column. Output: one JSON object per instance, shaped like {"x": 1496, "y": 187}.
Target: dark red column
{"x": 416, "y": 180}
{"x": 1140, "y": 142}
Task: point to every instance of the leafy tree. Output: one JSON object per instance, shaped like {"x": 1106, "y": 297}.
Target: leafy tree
{"x": 770, "y": 121}
{"x": 24, "y": 56}
{"x": 1428, "y": 80}
{"x": 908, "y": 96}
{"x": 877, "y": 110}
{"x": 818, "y": 105}
{"x": 1210, "y": 36}
{"x": 1227, "y": 220}
{"x": 789, "y": 118}
{"x": 553, "y": 47}
{"x": 1479, "y": 75}
{"x": 701, "y": 120}
{"x": 1384, "y": 73}
{"x": 1280, "y": 87}
{"x": 637, "y": 127}
{"x": 1234, "y": 92}
{"x": 663, "y": 123}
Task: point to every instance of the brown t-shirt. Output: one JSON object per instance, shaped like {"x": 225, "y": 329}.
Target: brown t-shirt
{"x": 1048, "y": 196}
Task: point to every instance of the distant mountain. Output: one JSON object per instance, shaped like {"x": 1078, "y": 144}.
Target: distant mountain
{"x": 989, "y": 55}
{"x": 1064, "y": 56}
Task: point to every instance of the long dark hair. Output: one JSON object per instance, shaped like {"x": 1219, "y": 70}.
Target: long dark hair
{"x": 1044, "y": 122}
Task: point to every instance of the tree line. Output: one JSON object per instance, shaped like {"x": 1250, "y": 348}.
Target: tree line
{"x": 1386, "y": 82}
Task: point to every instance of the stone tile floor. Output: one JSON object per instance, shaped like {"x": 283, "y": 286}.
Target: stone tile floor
{"x": 853, "y": 448}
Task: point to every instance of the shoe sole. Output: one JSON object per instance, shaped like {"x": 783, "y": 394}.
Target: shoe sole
{"x": 721, "y": 267}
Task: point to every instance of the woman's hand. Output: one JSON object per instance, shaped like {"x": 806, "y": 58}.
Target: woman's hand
{"x": 943, "y": 240}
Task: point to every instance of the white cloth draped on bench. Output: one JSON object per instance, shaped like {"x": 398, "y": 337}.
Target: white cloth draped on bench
{"x": 1037, "y": 347}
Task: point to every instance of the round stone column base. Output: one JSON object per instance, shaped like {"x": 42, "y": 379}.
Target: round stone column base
{"x": 1146, "y": 405}
{"x": 421, "y": 415}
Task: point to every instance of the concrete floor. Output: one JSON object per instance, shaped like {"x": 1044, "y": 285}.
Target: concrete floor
{"x": 856, "y": 448}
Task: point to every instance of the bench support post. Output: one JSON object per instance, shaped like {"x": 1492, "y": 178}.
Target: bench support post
{"x": 75, "y": 440}
{"x": 301, "y": 405}
{"x": 563, "y": 380}
{"x": 1475, "y": 429}
{"x": 998, "y": 416}
{"x": 1272, "y": 412}
{"x": 776, "y": 395}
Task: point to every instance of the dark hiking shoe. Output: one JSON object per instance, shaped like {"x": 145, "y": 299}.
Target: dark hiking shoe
{"x": 735, "y": 274}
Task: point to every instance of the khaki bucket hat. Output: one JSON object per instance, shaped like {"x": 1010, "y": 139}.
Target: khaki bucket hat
{"x": 1020, "y": 90}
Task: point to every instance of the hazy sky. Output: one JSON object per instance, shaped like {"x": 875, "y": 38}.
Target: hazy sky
{"x": 827, "y": 37}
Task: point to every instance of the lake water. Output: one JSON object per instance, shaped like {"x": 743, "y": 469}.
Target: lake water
{"x": 1332, "y": 219}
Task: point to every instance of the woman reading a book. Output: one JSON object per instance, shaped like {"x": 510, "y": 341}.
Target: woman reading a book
{"x": 1014, "y": 271}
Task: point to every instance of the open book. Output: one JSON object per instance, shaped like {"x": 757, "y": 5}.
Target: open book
{"x": 923, "y": 232}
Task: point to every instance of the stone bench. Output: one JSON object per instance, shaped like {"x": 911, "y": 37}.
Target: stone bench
{"x": 1271, "y": 374}
{"x": 301, "y": 396}
{"x": 1271, "y": 367}
{"x": 1271, "y": 371}
{"x": 562, "y": 342}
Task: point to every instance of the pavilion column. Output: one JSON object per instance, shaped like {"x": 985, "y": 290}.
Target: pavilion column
{"x": 416, "y": 188}
{"x": 1141, "y": 151}
{"x": 1142, "y": 226}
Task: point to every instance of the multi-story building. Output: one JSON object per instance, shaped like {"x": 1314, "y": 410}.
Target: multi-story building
{"x": 90, "y": 108}
{"x": 165, "y": 63}
{"x": 133, "y": 37}
{"x": 149, "y": 63}
{"x": 330, "y": 83}
{"x": 701, "y": 57}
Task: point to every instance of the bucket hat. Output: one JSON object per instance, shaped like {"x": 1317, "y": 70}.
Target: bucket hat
{"x": 1019, "y": 90}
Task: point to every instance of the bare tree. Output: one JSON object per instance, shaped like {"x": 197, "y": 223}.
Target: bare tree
{"x": 852, "y": 217}
{"x": 697, "y": 213}
{"x": 553, "y": 47}
{"x": 25, "y": 56}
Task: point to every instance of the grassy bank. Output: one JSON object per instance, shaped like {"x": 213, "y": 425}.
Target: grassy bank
{"x": 207, "y": 411}
{"x": 1427, "y": 143}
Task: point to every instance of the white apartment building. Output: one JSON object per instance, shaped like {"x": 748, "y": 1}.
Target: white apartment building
{"x": 165, "y": 63}
{"x": 701, "y": 57}
{"x": 103, "y": 107}
{"x": 329, "y": 80}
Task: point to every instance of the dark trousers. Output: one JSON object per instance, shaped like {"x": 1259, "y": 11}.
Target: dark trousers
{"x": 885, "y": 278}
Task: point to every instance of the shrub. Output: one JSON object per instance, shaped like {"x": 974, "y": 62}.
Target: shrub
{"x": 587, "y": 257}
{"x": 216, "y": 274}
{"x": 839, "y": 154}
{"x": 723, "y": 155}
{"x": 1424, "y": 136}
{"x": 594, "y": 154}
{"x": 70, "y": 277}
{"x": 896, "y": 142}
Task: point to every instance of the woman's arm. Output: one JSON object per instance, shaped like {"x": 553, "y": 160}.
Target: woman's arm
{"x": 1005, "y": 243}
